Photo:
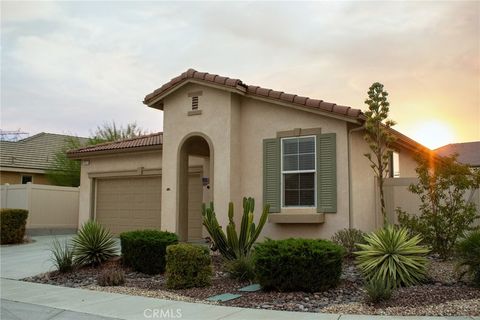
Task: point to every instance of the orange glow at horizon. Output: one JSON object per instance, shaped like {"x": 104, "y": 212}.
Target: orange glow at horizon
{"x": 433, "y": 133}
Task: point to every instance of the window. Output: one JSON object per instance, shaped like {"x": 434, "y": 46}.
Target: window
{"x": 395, "y": 165}
{"x": 298, "y": 171}
{"x": 26, "y": 179}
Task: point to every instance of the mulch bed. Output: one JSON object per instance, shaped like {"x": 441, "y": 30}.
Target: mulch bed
{"x": 442, "y": 295}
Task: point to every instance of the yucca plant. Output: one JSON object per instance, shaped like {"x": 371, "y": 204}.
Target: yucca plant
{"x": 93, "y": 244}
{"x": 232, "y": 245}
{"x": 468, "y": 251}
{"x": 62, "y": 255}
{"x": 393, "y": 257}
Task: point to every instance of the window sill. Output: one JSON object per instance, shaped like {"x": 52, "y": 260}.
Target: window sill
{"x": 194, "y": 112}
{"x": 296, "y": 218}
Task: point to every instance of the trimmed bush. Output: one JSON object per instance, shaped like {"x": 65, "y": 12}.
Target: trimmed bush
{"x": 188, "y": 266}
{"x": 145, "y": 250}
{"x": 349, "y": 238}
{"x": 111, "y": 277}
{"x": 93, "y": 245}
{"x": 298, "y": 264}
{"x": 468, "y": 251}
{"x": 13, "y": 222}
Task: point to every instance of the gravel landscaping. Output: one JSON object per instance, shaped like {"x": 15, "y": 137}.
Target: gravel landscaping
{"x": 442, "y": 295}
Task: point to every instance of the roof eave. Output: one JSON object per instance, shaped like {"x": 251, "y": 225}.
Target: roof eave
{"x": 89, "y": 154}
{"x": 157, "y": 101}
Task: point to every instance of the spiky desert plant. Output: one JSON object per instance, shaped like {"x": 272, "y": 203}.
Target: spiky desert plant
{"x": 233, "y": 245}
{"x": 393, "y": 257}
{"x": 468, "y": 251}
{"x": 377, "y": 290}
{"x": 62, "y": 255}
{"x": 93, "y": 244}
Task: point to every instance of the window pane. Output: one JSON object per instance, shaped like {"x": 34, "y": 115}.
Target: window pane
{"x": 307, "y": 180}
{"x": 290, "y": 146}
{"x": 291, "y": 198}
{"x": 290, "y": 162}
{"x": 306, "y": 145}
{"x": 306, "y": 161}
{"x": 307, "y": 197}
{"x": 291, "y": 181}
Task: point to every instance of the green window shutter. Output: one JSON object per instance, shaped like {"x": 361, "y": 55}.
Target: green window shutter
{"x": 326, "y": 173}
{"x": 271, "y": 173}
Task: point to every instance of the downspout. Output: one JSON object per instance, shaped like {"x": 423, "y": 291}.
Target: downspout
{"x": 350, "y": 210}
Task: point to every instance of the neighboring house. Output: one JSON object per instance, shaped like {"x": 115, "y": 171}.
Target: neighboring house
{"x": 223, "y": 140}
{"x": 468, "y": 152}
{"x": 28, "y": 160}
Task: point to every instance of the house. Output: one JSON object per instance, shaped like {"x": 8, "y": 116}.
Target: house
{"x": 223, "y": 139}
{"x": 468, "y": 152}
{"x": 28, "y": 160}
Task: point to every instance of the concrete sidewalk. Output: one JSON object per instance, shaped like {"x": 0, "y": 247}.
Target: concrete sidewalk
{"x": 26, "y": 301}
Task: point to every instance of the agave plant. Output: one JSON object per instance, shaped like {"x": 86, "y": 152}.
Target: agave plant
{"x": 468, "y": 251}
{"x": 393, "y": 257}
{"x": 62, "y": 255}
{"x": 232, "y": 245}
{"x": 93, "y": 244}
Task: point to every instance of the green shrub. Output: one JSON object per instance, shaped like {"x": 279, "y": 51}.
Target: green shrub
{"x": 111, "y": 277}
{"x": 391, "y": 256}
{"x": 13, "y": 222}
{"x": 298, "y": 264}
{"x": 241, "y": 268}
{"x": 93, "y": 245}
{"x": 378, "y": 290}
{"x": 62, "y": 255}
{"x": 468, "y": 251}
{"x": 188, "y": 266}
{"x": 349, "y": 238}
{"x": 445, "y": 214}
{"x": 232, "y": 245}
{"x": 145, "y": 250}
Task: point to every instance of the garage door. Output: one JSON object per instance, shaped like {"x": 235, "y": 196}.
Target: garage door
{"x": 125, "y": 204}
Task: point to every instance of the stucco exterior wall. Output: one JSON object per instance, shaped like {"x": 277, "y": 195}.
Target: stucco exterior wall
{"x": 261, "y": 120}
{"x": 365, "y": 200}
{"x": 214, "y": 124}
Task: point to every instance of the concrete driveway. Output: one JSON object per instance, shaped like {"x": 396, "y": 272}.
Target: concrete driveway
{"x": 26, "y": 260}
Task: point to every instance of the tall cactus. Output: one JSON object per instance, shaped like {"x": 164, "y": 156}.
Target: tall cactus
{"x": 232, "y": 245}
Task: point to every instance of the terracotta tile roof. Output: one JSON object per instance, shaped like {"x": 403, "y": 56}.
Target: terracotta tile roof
{"x": 150, "y": 140}
{"x": 468, "y": 152}
{"x": 252, "y": 91}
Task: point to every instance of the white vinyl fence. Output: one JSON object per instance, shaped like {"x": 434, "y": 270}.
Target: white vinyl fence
{"x": 50, "y": 207}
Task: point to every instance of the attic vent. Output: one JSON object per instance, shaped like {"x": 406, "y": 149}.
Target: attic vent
{"x": 195, "y": 103}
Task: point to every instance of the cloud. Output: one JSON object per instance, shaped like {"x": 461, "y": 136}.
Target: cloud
{"x": 74, "y": 64}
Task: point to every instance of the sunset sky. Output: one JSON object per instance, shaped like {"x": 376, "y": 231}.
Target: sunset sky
{"x": 70, "y": 66}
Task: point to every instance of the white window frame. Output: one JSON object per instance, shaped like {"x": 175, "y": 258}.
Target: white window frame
{"x": 282, "y": 173}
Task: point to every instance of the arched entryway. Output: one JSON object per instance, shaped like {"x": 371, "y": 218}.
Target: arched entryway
{"x": 195, "y": 151}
